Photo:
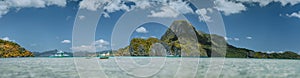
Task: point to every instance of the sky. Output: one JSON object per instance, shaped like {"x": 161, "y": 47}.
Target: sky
{"x": 41, "y": 25}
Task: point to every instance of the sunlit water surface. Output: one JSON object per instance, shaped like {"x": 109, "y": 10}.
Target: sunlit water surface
{"x": 159, "y": 68}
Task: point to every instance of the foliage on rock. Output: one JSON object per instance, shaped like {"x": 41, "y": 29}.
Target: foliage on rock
{"x": 12, "y": 49}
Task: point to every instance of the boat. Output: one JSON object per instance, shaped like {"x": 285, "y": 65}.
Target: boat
{"x": 173, "y": 56}
{"x": 104, "y": 56}
{"x": 170, "y": 55}
{"x": 59, "y": 54}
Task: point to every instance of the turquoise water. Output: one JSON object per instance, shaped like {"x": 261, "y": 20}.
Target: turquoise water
{"x": 157, "y": 67}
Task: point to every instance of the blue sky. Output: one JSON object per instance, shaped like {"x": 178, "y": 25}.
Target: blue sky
{"x": 258, "y": 25}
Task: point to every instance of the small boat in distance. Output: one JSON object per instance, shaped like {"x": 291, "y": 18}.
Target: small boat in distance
{"x": 173, "y": 56}
{"x": 104, "y": 56}
{"x": 59, "y": 54}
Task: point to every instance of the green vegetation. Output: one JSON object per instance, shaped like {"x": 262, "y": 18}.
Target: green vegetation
{"x": 141, "y": 47}
{"x": 284, "y": 55}
{"x": 179, "y": 41}
{"x": 122, "y": 52}
{"x": 11, "y": 49}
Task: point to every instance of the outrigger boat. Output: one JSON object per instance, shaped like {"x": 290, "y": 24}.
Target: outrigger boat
{"x": 104, "y": 56}
{"x": 59, "y": 54}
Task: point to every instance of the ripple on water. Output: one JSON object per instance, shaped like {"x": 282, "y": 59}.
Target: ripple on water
{"x": 65, "y": 68}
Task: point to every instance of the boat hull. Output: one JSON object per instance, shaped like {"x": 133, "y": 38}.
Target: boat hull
{"x": 104, "y": 57}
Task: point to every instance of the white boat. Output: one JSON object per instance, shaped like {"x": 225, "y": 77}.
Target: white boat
{"x": 60, "y": 54}
{"x": 104, "y": 56}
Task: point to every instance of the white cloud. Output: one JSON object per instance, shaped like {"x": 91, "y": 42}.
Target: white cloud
{"x": 227, "y": 38}
{"x": 280, "y": 51}
{"x": 106, "y": 15}
{"x": 295, "y": 14}
{"x": 249, "y": 38}
{"x": 236, "y": 39}
{"x": 116, "y": 5}
{"x": 165, "y": 12}
{"x": 274, "y": 51}
{"x": 101, "y": 42}
{"x": 143, "y": 4}
{"x": 97, "y": 45}
{"x": 260, "y": 2}
{"x": 143, "y": 37}
{"x": 141, "y": 30}
{"x": 108, "y": 5}
{"x": 153, "y": 37}
{"x": 7, "y": 5}
{"x": 172, "y": 9}
{"x": 66, "y": 41}
{"x": 270, "y": 52}
{"x": 266, "y": 2}
{"x": 285, "y": 2}
{"x": 81, "y": 17}
{"x": 6, "y": 38}
{"x": 229, "y": 7}
{"x": 263, "y": 3}
{"x": 3, "y": 9}
{"x": 203, "y": 14}
{"x": 92, "y": 5}
{"x": 113, "y": 6}
{"x": 169, "y": 8}
{"x": 181, "y": 6}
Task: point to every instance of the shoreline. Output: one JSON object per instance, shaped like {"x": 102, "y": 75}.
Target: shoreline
{"x": 149, "y": 57}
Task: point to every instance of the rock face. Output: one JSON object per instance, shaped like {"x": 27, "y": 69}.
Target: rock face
{"x": 141, "y": 47}
{"x": 182, "y": 34}
{"x": 11, "y": 49}
{"x": 184, "y": 40}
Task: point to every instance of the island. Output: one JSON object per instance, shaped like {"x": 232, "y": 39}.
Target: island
{"x": 12, "y": 49}
{"x": 171, "y": 42}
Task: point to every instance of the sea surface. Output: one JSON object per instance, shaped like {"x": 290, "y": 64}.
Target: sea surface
{"x": 149, "y": 67}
